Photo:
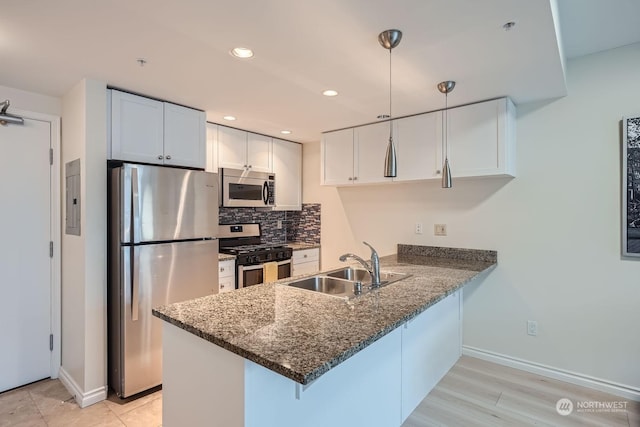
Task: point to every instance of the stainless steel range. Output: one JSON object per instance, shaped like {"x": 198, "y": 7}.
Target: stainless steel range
{"x": 244, "y": 241}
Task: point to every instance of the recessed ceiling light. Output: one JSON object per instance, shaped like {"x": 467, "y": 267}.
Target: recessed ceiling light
{"x": 285, "y": 132}
{"x": 241, "y": 52}
{"x": 509, "y": 25}
{"x": 230, "y": 118}
{"x": 383, "y": 116}
{"x": 330, "y": 92}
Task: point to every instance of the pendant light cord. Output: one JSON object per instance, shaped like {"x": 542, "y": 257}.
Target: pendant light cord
{"x": 445, "y": 125}
{"x": 390, "y": 83}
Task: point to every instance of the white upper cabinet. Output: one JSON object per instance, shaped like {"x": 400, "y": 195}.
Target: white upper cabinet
{"x": 184, "y": 136}
{"x": 481, "y": 143}
{"x": 239, "y": 149}
{"x": 337, "y": 163}
{"x": 212, "y": 148}
{"x": 232, "y": 148}
{"x": 287, "y": 166}
{"x": 482, "y": 139}
{"x": 418, "y": 143}
{"x": 137, "y": 128}
{"x": 149, "y": 131}
{"x": 259, "y": 153}
{"x": 370, "y": 149}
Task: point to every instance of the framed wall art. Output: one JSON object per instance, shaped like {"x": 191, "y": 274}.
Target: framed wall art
{"x": 631, "y": 186}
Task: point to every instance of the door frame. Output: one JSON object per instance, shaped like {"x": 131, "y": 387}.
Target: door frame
{"x": 55, "y": 225}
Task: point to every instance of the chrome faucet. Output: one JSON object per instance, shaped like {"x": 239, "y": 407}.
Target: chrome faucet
{"x": 373, "y": 268}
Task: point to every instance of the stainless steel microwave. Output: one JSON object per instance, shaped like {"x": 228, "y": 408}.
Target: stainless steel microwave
{"x": 242, "y": 188}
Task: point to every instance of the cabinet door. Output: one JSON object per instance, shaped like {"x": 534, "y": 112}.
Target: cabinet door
{"x": 212, "y": 148}
{"x": 287, "y": 165}
{"x": 370, "y": 148}
{"x": 184, "y": 136}
{"x": 337, "y": 158}
{"x": 259, "y": 153}
{"x": 137, "y": 130}
{"x": 418, "y": 141}
{"x": 474, "y": 146}
{"x": 232, "y": 148}
{"x": 431, "y": 345}
{"x": 226, "y": 276}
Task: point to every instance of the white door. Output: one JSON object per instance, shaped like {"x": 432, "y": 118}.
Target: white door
{"x": 25, "y": 265}
{"x": 287, "y": 165}
{"x": 232, "y": 148}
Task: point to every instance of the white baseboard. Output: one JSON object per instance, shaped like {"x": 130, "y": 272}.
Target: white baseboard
{"x": 621, "y": 390}
{"x": 83, "y": 399}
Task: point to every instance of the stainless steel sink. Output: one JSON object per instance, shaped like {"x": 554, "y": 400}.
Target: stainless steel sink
{"x": 326, "y": 285}
{"x": 362, "y": 275}
{"x": 351, "y": 273}
{"x": 346, "y": 282}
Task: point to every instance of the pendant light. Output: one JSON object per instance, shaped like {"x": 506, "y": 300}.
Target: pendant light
{"x": 446, "y": 87}
{"x": 390, "y": 39}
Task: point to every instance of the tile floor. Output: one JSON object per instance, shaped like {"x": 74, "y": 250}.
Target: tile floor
{"x": 48, "y": 403}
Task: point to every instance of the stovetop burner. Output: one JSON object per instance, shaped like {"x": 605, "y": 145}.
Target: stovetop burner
{"x": 246, "y": 249}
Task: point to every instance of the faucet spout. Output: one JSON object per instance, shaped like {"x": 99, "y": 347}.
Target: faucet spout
{"x": 373, "y": 267}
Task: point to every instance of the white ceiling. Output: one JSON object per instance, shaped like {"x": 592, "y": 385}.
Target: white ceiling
{"x": 301, "y": 48}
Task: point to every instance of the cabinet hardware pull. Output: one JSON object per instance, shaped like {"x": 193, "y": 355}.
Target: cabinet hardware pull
{"x": 350, "y": 179}
{"x": 168, "y": 157}
{"x": 160, "y": 157}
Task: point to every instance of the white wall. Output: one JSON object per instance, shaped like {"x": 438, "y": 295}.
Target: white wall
{"x": 30, "y": 101}
{"x": 556, "y": 228}
{"x": 84, "y": 257}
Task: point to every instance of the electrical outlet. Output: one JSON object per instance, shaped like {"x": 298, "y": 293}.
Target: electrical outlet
{"x": 418, "y": 228}
{"x": 440, "y": 229}
{"x": 279, "y": 224}
{"x": 532, "y": 327}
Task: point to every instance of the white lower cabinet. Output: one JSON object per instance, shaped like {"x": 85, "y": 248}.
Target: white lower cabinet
{"x": 431, "y": 345}
{"x": 305, "y": 261}
{"x": 226, "y": 275}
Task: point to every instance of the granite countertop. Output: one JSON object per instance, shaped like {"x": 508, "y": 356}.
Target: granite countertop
{"x": 225, "y": 257}
{"x": 298, "y": 246}
{"x": 302, "y": 334}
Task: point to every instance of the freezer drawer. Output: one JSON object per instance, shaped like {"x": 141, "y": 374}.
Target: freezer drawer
{"x": 150, "y": 276}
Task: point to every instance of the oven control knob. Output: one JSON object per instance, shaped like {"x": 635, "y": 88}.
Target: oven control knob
{"x": 280, "y": 255}
{"x": 269, "y": 256}
{"x": 255, "y": 258}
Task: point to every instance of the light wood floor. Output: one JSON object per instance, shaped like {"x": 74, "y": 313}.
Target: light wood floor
{"x": 479, "y": 393}
{"x": 473, "y": 393}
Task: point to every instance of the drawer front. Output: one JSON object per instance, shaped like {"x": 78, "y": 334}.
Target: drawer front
{"x": 305, "y": 268}
{"x": 226, "y": 269}
{"x": 306, "y": 255}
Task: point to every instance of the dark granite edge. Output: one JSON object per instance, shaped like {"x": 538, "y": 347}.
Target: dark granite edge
{"x": 312, "y": 375}
{"x": 451, "y": 253}
{"x": 267, "y": 363}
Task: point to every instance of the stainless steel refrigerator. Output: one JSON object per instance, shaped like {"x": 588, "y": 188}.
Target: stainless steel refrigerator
{"x": 163, "y": 248}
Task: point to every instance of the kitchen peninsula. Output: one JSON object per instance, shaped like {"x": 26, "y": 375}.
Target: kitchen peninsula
{"x": 274, "y": 355}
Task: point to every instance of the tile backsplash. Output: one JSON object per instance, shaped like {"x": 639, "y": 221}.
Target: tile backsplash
{"x": 296, "y": 226}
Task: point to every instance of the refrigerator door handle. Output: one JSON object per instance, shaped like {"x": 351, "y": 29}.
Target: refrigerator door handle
{"x": 135, "y": 208}
{"x": 135, "y": 283}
